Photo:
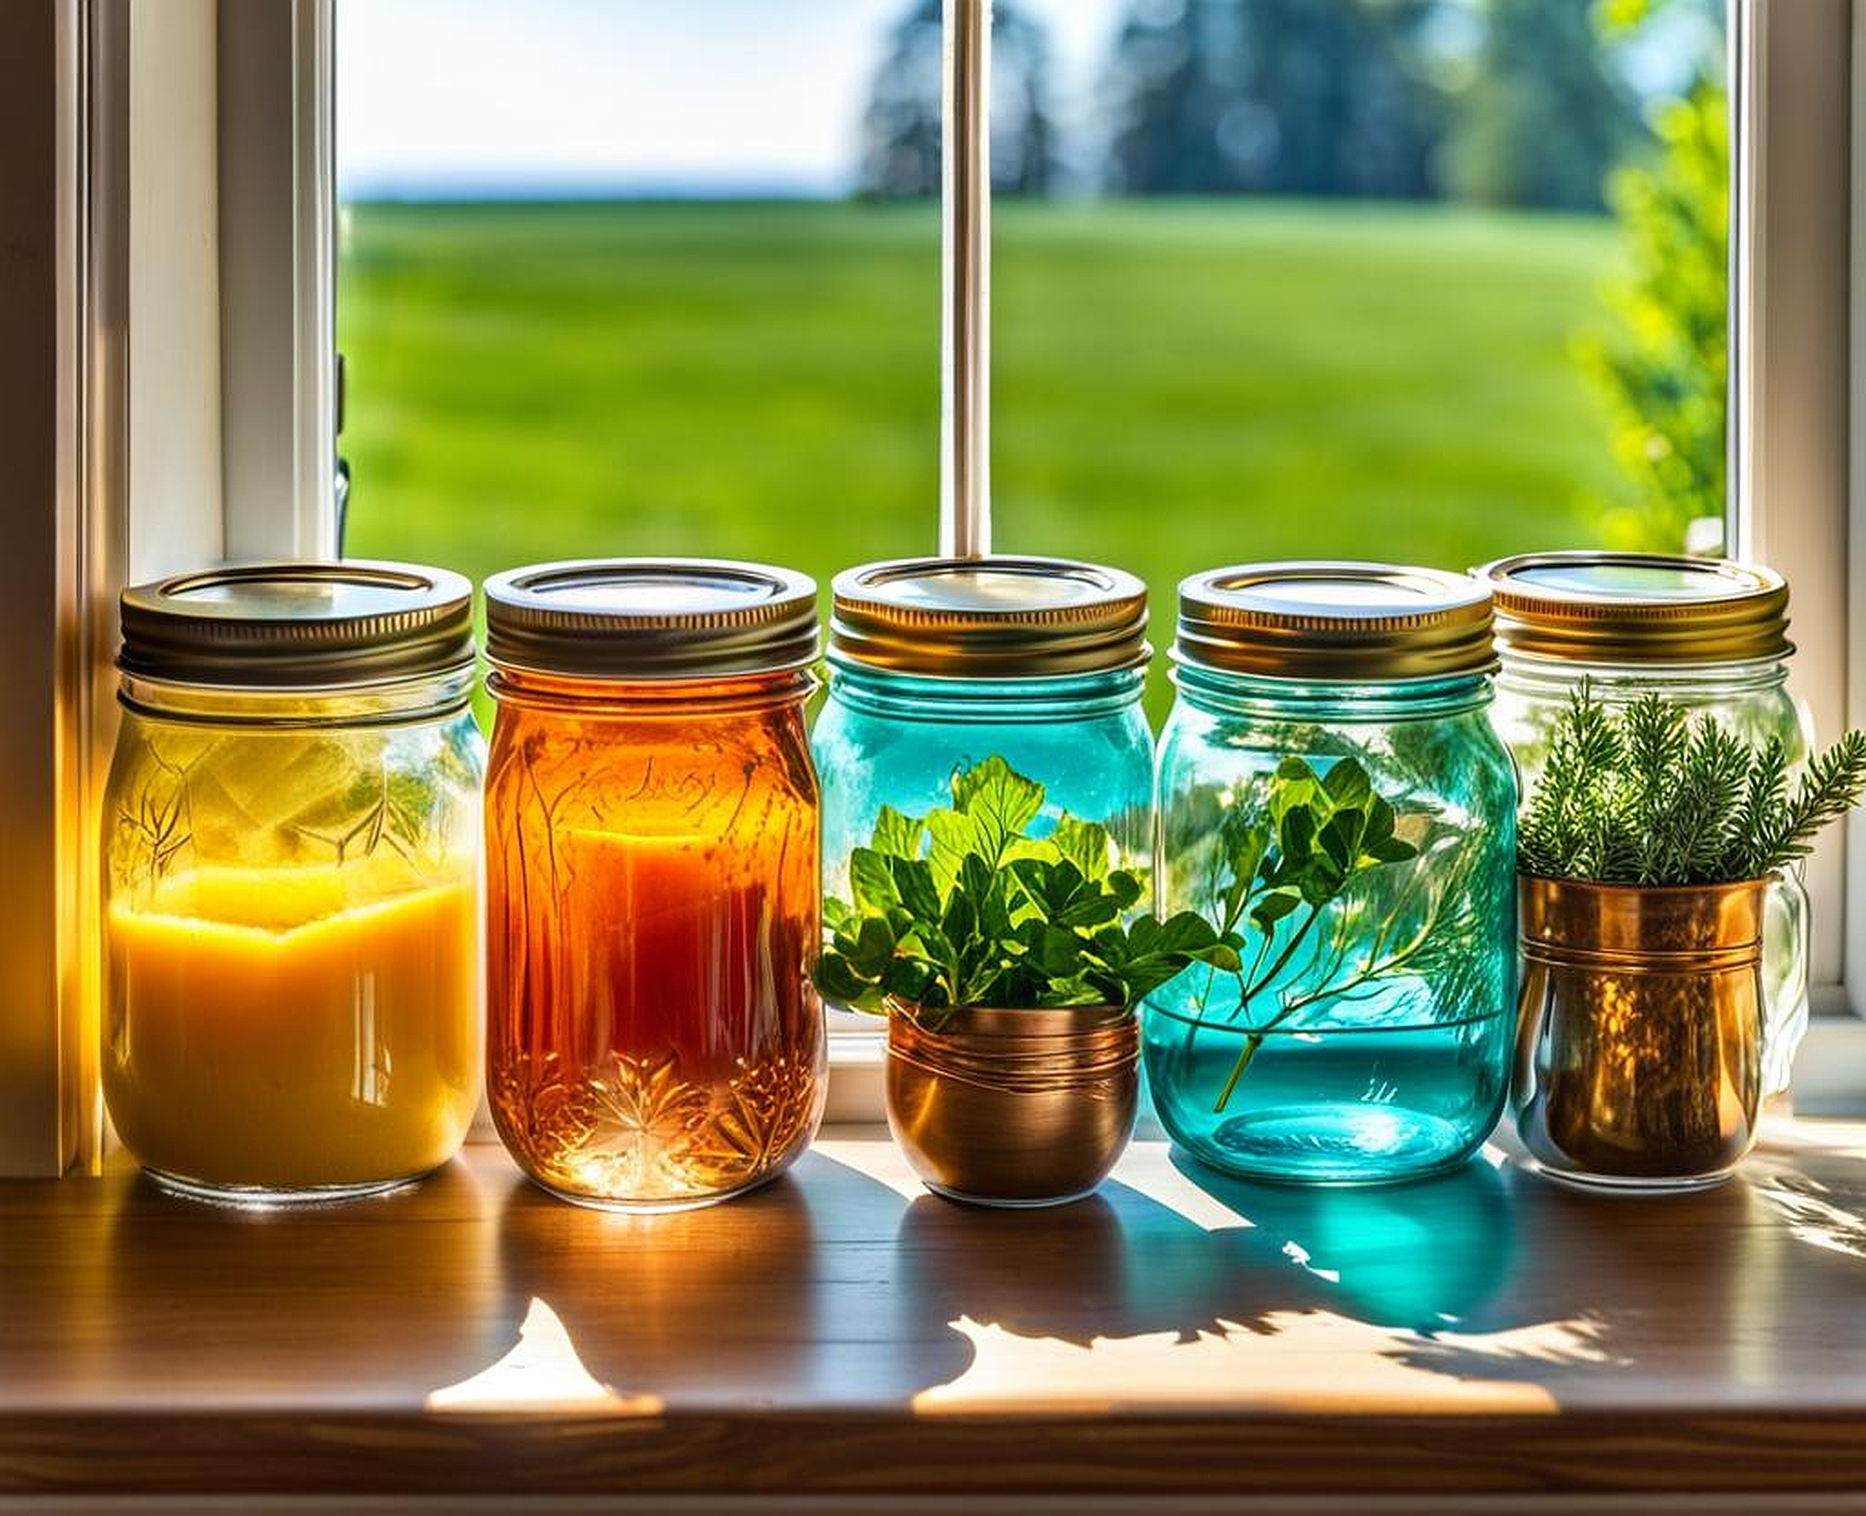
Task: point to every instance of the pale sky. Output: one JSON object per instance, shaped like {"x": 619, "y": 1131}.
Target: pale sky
{"x": 492, "y": 95}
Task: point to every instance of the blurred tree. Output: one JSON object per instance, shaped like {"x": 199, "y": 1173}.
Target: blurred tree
{"x": 1169, "y": 96}
{"x": 1294, "y": 97}
{"x": 901, "y": 127}
{"x": 1660, "y": 369}
{"x": 1545, "y": 117}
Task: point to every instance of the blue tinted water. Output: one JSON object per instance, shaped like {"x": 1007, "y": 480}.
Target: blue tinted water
{"x": 1367, "y": 1103}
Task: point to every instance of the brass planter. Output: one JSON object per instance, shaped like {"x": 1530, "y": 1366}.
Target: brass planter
{"x": 1638, "y": 1058}
{"x": 1016, "y": 1108}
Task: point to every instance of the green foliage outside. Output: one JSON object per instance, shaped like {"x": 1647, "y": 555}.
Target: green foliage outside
{"x": 1178, "y": 384}
{"x": 1281, "y": 97}
{"x": 1660, "y": 366}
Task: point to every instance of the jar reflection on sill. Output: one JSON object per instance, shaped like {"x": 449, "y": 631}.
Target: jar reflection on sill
{"x": 298, "y": 1297}
{"x": 678, "y": 1301}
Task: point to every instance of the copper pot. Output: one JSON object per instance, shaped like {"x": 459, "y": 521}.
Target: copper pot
{"x": 1638, "y": 1057}
{"x": 1013, "y": 1107}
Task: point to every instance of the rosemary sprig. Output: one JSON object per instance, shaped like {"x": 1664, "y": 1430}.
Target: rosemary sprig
{"x": 1646, "y": 796}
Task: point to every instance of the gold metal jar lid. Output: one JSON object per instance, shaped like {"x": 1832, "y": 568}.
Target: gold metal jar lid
{"x": 1335, "y": 621}
{"x": 1596, "y": 607}
{"x": 298, "y": 625}
{"x": 651, "y": 618}
{"x": 989, "y": 618}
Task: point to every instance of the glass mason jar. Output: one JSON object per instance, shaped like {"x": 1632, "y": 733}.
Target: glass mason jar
{"x": 291, "y": 842}
{"x": 1331, "y": 790}
{"x": 1706, "y": 633}
{"x": 939, "y": 664}
{"x": 652, "y": 869}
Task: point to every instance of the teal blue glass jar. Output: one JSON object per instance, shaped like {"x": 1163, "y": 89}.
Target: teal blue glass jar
{"x": 939, "y": 664}
{"x": 1331, "y": 790}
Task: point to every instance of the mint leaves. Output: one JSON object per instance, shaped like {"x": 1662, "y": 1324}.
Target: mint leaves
{"x": 963, "y": 907}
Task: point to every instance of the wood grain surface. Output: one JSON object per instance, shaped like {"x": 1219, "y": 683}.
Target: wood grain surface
{"x": 842, "y": 1333}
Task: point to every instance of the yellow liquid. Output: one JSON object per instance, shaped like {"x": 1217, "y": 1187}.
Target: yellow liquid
{"x": 293, "y": 1028}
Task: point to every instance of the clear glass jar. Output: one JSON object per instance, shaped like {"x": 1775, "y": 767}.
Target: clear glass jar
{"x": 291, "y": 994}
{"x": 1705, "y": 633}
{"x": 653, "y": 879}
{"x": 1366, "y": 1034}
{"x": 937, "y": 665}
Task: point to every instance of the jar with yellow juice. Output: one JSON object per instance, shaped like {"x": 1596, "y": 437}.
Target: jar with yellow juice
{"x": 291, "y": 1004}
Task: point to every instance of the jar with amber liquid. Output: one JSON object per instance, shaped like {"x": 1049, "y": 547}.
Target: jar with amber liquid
{"x": 291, "y": 1002}
{"x": 652, "y": 865}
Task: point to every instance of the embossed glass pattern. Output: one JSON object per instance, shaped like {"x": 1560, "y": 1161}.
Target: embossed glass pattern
{"x": 652, "y": 864}
{"x": 291, "y": 1006}
{"x": 652, "y": 870}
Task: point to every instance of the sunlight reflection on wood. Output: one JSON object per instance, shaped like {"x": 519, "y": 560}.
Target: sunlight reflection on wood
{"x": 1294, "y": 1359}
{"x": 882, "y": 1162}
{"x": 543, "y": 1373}
{"x": 1499, "y": 1332}
{"x": 1812, "y": 1217}
{"x": 1150, "y": 1170}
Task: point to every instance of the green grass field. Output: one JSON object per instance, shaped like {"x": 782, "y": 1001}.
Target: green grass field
{"x": 1177, "y": 385}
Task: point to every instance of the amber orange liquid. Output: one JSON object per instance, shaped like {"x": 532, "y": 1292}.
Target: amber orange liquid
{"x": 652, "y": 879}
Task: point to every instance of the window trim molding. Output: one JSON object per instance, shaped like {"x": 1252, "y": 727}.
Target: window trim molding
{"x": 1794, "y": 489}
{"x": 94, "y": 495}
{"x": 1831, "y": 1071}
{"x": 62, "y": 311}
{"x": 278, "y": 350}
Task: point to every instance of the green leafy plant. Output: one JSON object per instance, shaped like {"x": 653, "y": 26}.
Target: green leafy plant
{"x": 1288, "y": 861}
{"x": 963, "y": 907}
{"x": 1646, "y": 796}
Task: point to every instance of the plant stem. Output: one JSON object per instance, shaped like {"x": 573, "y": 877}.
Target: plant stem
{"x": 1374, "y": 970}
{"x": 1251, "y": 1044}
{"x": 1250, "y": 991}
{"x": 1282, "y": 962}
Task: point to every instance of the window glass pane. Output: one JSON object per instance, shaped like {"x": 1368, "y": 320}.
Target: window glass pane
{"x": 1428, "y": 280}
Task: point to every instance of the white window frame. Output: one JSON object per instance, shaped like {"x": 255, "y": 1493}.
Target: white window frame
{"x": 188, "y": 296}
{"x": 1797, "y": 492}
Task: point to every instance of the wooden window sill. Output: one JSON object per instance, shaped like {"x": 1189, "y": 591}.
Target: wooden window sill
{"x": 842, "y": 1334}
